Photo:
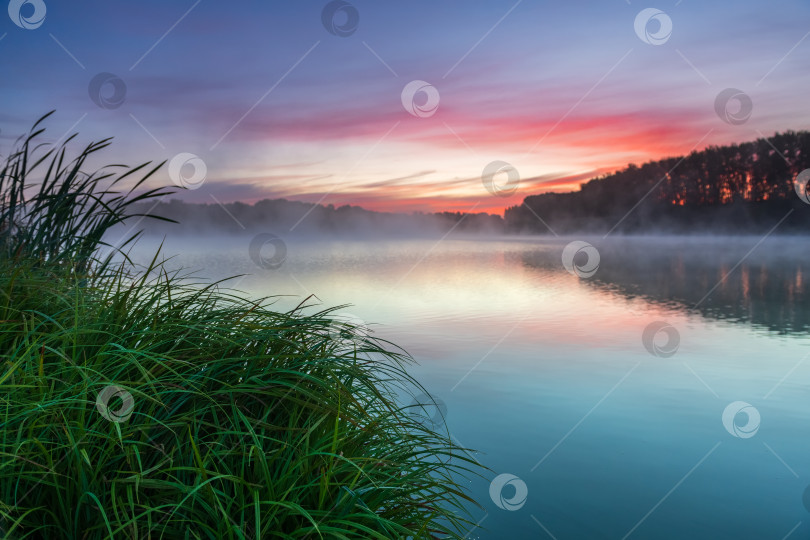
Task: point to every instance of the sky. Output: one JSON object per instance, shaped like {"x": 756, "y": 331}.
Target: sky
{"x": 401, "y": 106}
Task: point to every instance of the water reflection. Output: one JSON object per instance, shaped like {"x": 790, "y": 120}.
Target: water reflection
{"x": 537, "y": 366}
{"x": 728, "y": 279}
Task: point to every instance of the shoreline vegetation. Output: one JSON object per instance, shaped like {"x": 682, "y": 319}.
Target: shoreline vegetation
{"x": 735, "y": 189}
{"x": 144, "y": 405}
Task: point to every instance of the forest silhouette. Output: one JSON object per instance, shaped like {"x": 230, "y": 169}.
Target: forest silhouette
{"x": 737, "y": 188}
{"x": 721, "y": 189}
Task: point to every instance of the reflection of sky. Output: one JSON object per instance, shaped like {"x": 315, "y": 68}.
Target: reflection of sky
{"x": 563, "y": 93}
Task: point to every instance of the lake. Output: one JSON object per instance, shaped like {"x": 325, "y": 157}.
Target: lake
{"x": 665, "y": 396}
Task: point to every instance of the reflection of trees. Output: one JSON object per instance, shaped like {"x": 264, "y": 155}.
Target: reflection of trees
{"x": 728, "y": 187}
{"x": 768, "y": 289}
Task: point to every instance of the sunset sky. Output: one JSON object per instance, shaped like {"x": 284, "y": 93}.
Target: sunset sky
{"x": 292, "y": 99}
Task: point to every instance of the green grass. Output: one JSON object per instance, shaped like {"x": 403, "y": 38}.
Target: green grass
{"x": 226, "y": 419}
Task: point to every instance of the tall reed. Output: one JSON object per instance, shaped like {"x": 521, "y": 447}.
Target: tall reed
{"x": 144, "y": 405}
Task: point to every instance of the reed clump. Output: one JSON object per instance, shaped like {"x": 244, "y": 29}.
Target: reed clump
{"x": 144, "y": 405}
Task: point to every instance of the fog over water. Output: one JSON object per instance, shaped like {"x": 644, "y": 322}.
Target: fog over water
{"x": 757, "y": 280}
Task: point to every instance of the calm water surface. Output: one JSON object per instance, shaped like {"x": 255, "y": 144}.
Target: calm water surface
{"x": 545, "y": 374}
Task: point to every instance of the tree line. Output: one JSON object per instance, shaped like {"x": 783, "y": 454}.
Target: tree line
{"x": 747, "y": 187}
{"x": 285, "y": 216}
{"x": 732, "y": 188}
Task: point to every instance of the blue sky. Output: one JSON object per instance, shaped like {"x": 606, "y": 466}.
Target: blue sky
{"x": 276, "y": 105}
